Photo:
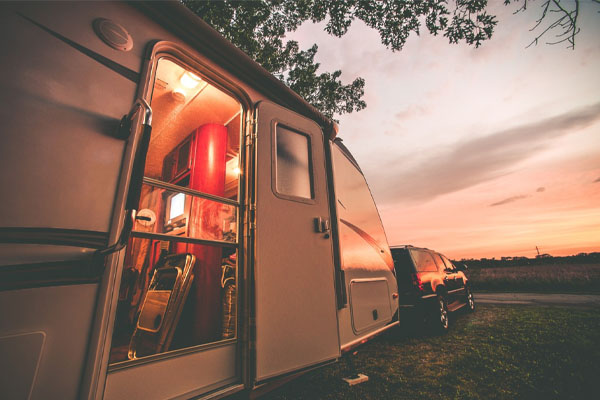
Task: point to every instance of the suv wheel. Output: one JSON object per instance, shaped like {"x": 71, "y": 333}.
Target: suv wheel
{"x": 470, "y": 300}
{"x": 442, "y": 322}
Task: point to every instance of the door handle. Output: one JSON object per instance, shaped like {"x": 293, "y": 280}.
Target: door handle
{"x": 326, "y": 226}
{"x": 322, "y": 225}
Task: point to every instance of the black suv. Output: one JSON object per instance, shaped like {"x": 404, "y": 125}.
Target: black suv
{"x": 430, "y": 284}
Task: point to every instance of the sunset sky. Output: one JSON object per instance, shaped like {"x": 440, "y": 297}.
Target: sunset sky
{"x": 483, "y": 152}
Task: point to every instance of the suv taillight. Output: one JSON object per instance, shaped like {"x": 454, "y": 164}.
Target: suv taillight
{"x": 416, "y": 281}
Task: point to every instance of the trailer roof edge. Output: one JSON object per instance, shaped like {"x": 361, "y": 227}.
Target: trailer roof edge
{"x": 184, "y": 23}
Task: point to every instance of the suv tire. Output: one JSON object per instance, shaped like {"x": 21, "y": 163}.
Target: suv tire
{"x": 470, "y": 300}
{"x": 441, "y": 320}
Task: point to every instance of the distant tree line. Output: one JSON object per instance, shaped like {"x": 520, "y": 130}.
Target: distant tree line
{"x": 581, "y": 258}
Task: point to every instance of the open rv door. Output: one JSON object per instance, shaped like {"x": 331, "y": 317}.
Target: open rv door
{"x": 296, "y": 320}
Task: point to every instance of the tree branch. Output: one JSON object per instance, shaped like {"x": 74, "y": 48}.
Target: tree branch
{"x": 565, "y": 22}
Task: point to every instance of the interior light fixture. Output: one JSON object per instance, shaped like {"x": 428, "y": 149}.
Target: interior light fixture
{"x": 178, "y": 94}
{"x": 236, "y": 171}
{"x": 189, "y": 80}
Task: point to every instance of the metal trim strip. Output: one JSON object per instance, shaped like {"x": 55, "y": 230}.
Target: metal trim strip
{"x": 170, "y": 238}
{"x": 169, "y": 354}
{"x": 175, "y": 188}
{"x": 54, "y": 236}
{"x": 349, "y": 346}
{"x": 118, "y": 68}
{"x": 57, "y": 273}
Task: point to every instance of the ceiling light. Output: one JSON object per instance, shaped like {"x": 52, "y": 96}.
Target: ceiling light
{"x": 189, "y": 80}
{"x": 178, "y": 94}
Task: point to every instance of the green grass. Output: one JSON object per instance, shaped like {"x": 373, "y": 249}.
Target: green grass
{"x": 499, "y": 352}
{"x": 554, "y": 278}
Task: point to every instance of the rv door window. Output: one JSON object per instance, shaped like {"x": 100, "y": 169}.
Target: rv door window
{"x": 184, "y": 213}
{"x": 195, "y": 126}
{"x": 174, "y": 296}
{"x": 178, "y": 287}
{"x": 292, "y": 167}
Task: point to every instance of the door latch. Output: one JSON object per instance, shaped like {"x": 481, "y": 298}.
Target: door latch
{"x": 322, "y": 225}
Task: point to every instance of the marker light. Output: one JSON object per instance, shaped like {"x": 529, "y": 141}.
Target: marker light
{"x": 189, "y": 80}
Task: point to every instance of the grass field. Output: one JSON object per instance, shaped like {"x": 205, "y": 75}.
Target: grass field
{"x": 498, "y": 352}
{"x": 557, "y": 278}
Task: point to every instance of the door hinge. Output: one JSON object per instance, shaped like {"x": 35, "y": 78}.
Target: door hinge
{"x": 251, "y": 132}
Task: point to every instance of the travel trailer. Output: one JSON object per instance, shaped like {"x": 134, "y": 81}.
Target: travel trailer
{"x": 175, "y": 222}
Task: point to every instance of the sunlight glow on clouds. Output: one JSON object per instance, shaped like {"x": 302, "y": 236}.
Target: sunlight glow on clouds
{"x": 478, "y": 160}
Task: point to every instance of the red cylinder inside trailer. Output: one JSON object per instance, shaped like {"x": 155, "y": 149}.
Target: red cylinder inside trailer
{"x": 207, "y": 175}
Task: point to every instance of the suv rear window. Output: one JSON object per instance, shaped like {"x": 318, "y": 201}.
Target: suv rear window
{"x": 402, "y": 261}
{"x": 423, "y": 261}
{"x": 404, "y": 268}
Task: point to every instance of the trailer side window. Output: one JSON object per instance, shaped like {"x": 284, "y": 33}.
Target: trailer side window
{"x": 178, "y": 288}
{"x": 293, "y": 164}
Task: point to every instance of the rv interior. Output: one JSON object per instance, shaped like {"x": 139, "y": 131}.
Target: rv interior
{"x": 178, "y": 293}
{"x": 183, "y": 102}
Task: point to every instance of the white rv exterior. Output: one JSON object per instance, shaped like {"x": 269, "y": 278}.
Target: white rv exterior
{"x": 175, "y": 222}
